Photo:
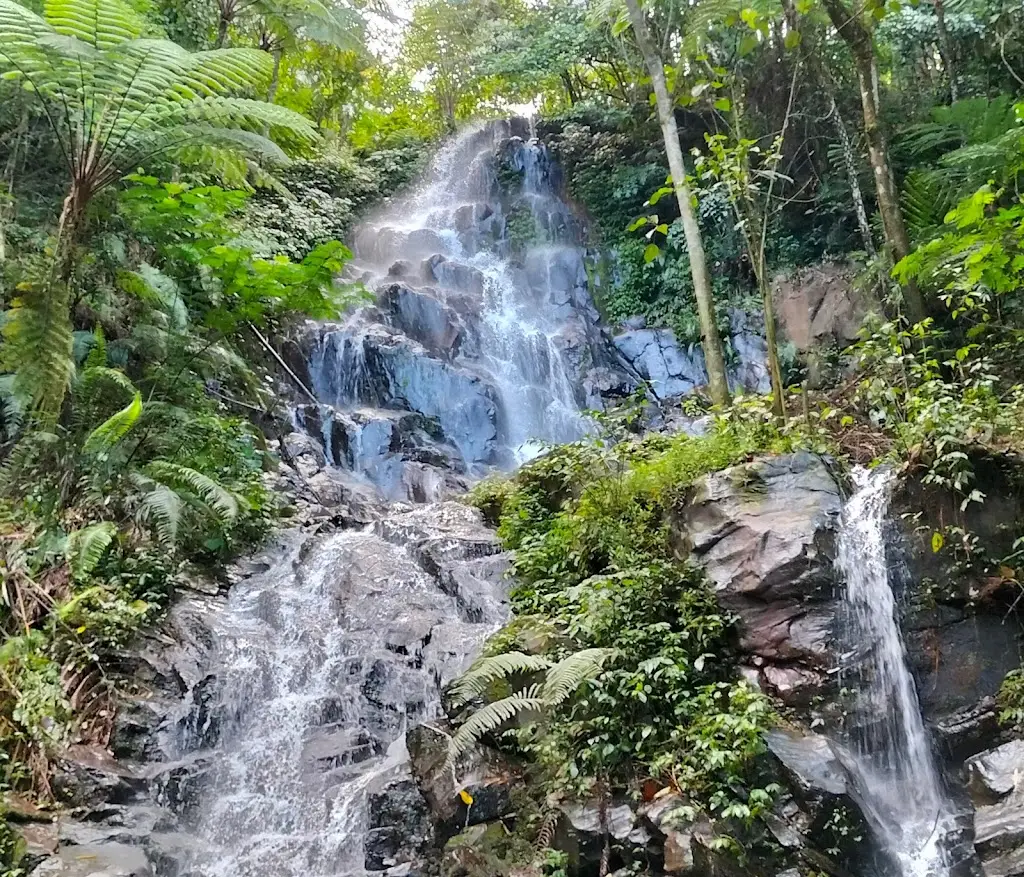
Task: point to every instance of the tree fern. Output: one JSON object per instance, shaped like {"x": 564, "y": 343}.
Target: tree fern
{"x": 160, "y": 509}
{"x": 39, "y": 346}
{"x": 560, "y": 682}
{"x": 114, "y": 101}
{"x": 926, "y": 197}
{"x": 491, "y": 718}
{"x": 221, "y": 502}
{"x": 154, "y": 287}
{"x": 115, "y": 427}
{"x": 489, "y": 669}
{"x": 86, "y": 547}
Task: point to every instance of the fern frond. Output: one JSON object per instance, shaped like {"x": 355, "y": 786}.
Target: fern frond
{"x": 160, "y": 509}
{"x": 219, "y": 500}
{"x": 115, "y": 427}
{"x": 569, "y": 673}
{"x": 85, "y": 547}
{"x": 40, "y": 347}
{"x": 491, "y": 718}
{"x": 97, "y": 356}
{"x": 154, "y": 287}
{"x": 489, "y": 669}
{"x": 101, "y": 24}
{"x": 926, "y": 199}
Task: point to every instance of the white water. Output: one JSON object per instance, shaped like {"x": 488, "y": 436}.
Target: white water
{"x": 898, "y": 785}
{"x": 322, "y": 668}
{"x": 453, "y": 236}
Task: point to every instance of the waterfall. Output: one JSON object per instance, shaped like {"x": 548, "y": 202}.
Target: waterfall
{"x": 323, "y": 662}
{"x": 886, "y": 746}
{"x": 481, "y": 295}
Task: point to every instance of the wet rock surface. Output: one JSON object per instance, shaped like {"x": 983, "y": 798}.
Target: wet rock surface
{"x": 764, "y": 532}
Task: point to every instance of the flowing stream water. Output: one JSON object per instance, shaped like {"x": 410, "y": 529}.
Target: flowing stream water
{"x": 889, "y": 754}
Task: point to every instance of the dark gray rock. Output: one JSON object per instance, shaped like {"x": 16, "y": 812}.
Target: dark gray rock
{"x": 88, "y": 777}
{"x": 485, "y": 775}
{"x": 399, "y": 827}
{"x": 764, "y": 532}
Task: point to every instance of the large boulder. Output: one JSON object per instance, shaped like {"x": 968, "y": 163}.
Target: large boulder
{"x": 764, "y": 532}
{"x": 821, "y": 305}
{"x": 484, "y": 777}
{"x": 670, "y": 368}
{"x": 963, "y": 623}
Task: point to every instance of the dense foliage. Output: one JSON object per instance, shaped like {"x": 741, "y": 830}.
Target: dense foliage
{"x": 618, "y": 657}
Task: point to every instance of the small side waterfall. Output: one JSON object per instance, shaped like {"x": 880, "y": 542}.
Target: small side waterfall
{"x": 887, "y": 747}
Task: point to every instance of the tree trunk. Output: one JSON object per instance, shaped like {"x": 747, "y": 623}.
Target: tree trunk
{"x": 822, "y": 79}
{"x": 850, "y": 165}
{"x": 275, "y": 77}
{"x": 858, "y": 38}
{"x": 222, "y": 33}
{"x": 570, "y": 89}
{"x": 946, "y": 50}
{"x": 712, "y": 342}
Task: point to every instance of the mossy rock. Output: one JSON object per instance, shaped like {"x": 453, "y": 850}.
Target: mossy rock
{"x": 487, "y": 850}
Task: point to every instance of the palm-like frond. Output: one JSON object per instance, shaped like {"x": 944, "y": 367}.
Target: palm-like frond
{"x": 86, "y": 547}
{"x": 101, "y": 24}
{"x": 115, "y": 427}
{"x": 40, "y": 347}
{"x": 160, "y": 509}
{"x": 115, "y": 100}
{"x": 926, "y": 198}
{"x": 221, "y": 502}
{"x": 560, "y": 682}
{"x": 491, "y": 718}
{"x": 571, "y": 672}
{"x": 154, "y": 287}
{"x": 489, "y": 669}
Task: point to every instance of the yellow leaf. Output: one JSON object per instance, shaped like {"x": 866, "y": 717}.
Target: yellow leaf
{"x": 937, "y": 542}
{"x": 467, "y": 798}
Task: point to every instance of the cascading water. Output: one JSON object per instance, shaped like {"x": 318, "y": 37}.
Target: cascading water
{"x": 886, "y": 747}
{"x": 323, "y": 661}
{"x": 481, "y": 288}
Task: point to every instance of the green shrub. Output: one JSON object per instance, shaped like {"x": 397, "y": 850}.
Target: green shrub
{"x": 598, "y": 578}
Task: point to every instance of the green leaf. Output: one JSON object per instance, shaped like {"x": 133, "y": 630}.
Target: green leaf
{"x": 723, "y": 104}
{"x": 114, "y": 428}
{"x": 651, "y": 252}
{"x": 86, "y": 547}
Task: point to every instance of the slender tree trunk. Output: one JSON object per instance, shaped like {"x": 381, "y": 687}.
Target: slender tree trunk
{"x": 712, "y": 342}
{"x": 946, "y": 49}
{"x": 822, "y": 79}
{"x": 858, "y": 38}
{"x": 850, "y": 165}
{"x": 222, "y": 33}
{"x": 570, "y": 89}
{"x": 275, "y": 77}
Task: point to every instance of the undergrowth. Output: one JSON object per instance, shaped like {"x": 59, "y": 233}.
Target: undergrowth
{"x": 616, "y": 670}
